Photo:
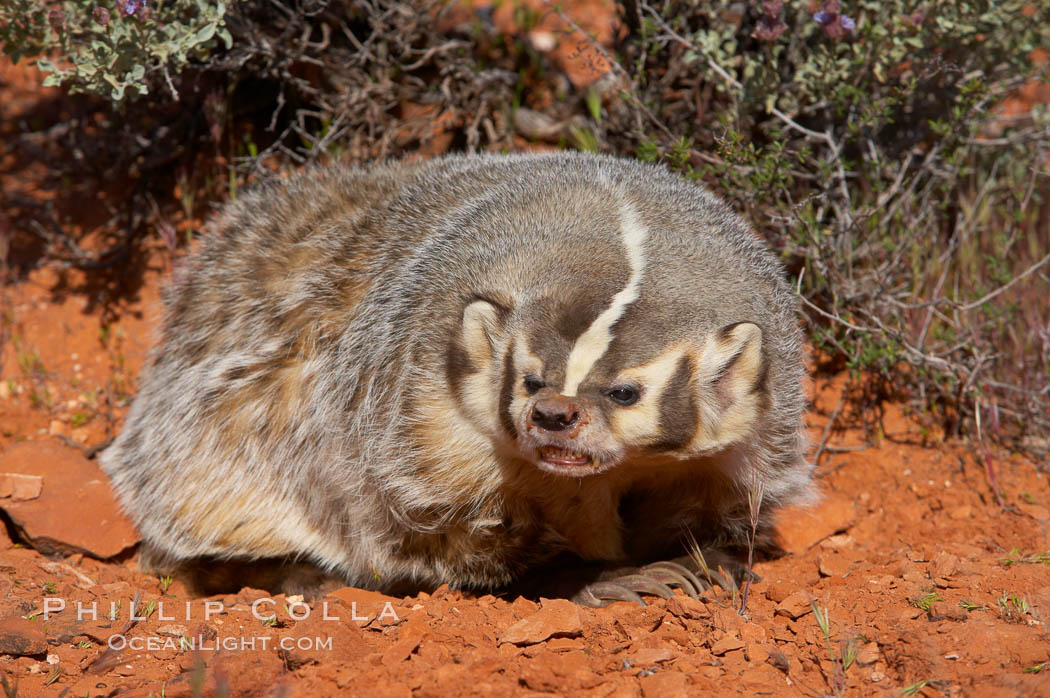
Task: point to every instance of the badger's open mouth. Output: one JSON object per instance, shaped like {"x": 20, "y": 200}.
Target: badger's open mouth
{"x": 564, "y": 457}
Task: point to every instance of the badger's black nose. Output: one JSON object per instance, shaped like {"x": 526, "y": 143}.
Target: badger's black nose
{"x": 554, "y": 413}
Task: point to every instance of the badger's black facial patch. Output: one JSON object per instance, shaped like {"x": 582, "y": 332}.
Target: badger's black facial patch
{"x": 458, "y": 365}
{"x": 555, "y": 322}
{"x": 678, "y": 409}
{"x": 506, "y": 392}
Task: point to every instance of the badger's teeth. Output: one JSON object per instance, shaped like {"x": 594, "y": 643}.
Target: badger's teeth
{"x": 563, "y": 456}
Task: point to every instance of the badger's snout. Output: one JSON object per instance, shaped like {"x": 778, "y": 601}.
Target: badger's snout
{"x": 556, "y": 413}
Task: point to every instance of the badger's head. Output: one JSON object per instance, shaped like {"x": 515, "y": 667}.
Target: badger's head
{"x": 584, "y": 374}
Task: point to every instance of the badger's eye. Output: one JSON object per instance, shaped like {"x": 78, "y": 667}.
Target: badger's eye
{"x": 533, "y": 384}
{"x": 624, "y": 395}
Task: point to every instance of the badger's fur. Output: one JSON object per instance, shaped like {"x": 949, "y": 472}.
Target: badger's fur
{"x": 452, "y": 371}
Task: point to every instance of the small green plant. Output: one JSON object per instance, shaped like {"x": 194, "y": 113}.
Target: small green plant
{"x": 50, "y": 588}
{"x": 848, "y": 648}
{"x": 913, "y": 690}
{"x": 849, "y": 652}
{"x": 972, "y": 606}
{"x": 84, "y": 645}
{"x": 165, "y": 583}
{"x": 270, "y": 621}
{"x": 52, "y": 677}
{"x": 925, "y": 600}
{"x": 29, "y": 360}
{"x": 1037, "y": 668}
{"x": 1013, "y": 608}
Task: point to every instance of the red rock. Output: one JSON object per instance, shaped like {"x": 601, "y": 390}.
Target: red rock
{"x": 687, "y": 607}
{"x": 650, "y": 655}
{"x": 727, "y": 644}
{"x": 237, "y": 673}
{"x": 317, "y": 640}
{"x": 943, "y": 565}
{"x": 76, "y": 511}
{"x": 665, "y": 684}
{"x": 555, "y": 617}
{"x": 1037, "y": 512}
{"x": 752, "y": 632}
{"x": 361, "y": 606}
{"x": 795, "y": 605}
{"x": 777, "y": 591}
{"x": 834, "y": 565}
{"x": 756, "y": 652}
{"x": 363, "y": 597}
{"x": 401, "y": 650}
{"x": 20, "y": 487}
{"x": 801, "y": 528}
{"x": 868, "y": 654}
{"x": 20, "y": 637}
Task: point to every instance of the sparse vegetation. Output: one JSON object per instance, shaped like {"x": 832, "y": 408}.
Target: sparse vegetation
{"x": 866, "y": 142}
{"x": 1014, "y": 557}
{"x": 848, "y": 649}
{"x": 1013, "y": 608}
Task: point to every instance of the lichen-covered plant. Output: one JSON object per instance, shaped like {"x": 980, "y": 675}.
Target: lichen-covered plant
{"x": 118, "y": 49}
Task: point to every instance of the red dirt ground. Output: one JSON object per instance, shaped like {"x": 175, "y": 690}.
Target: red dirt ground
{"x": 929, "y": 586}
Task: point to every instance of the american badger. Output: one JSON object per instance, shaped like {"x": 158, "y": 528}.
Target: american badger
{"x": 454, "y": 371}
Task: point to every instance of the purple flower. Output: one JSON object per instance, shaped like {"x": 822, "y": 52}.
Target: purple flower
{"x": 834, "y": 24}
{"x": 130, "y": 7}
{"x": 100, "y": 15}
{"x": 772, "y": 7}
{"x": 769, "y": 28}
{"x": 57, "y": 19}
{"x": 770, "y": 25}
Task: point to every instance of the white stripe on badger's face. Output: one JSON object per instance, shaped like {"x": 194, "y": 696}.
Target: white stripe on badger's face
{"x": 592, "y": 344}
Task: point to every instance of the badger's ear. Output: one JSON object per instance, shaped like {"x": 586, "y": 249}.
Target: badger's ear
{"x": 481, "y": 331}
{"x": 730, "y": 386}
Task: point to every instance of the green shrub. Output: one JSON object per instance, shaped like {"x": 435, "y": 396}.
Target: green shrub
{"x": 118, "y": 50}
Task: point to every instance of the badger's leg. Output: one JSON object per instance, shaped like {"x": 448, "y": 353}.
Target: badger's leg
{"x": 659, "y": 579}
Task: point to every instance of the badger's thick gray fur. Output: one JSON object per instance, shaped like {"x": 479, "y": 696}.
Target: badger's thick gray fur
{"x": 424, "y": 373}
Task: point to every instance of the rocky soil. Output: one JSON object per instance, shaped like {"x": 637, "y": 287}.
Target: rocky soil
{"x": 922, "y": 572}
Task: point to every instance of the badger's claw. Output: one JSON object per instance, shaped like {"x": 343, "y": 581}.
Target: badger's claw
{"x": 673, "y": 574}
{"x": 599, "y": 594}
{"x": 656, "y": 579}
